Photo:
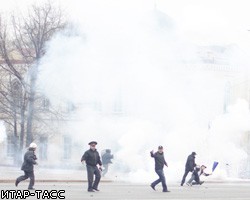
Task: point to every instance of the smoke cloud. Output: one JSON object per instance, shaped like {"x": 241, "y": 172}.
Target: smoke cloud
{"x": 132, "y": 76}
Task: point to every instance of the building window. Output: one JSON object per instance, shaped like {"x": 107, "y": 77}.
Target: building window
{"x": 117, "y": 108}
{"x": 45, "y": 103}
{"x": 67, "y": 147}
{"x": 227, "y": 95}
{"x": 16, "y": 91}
{"x": 70, "y": 107}
{"x": 43, "y": 147}
{"x": 10, "y": 145}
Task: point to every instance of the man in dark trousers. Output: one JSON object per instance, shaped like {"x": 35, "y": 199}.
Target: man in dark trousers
{"x": 92, "y": 159}
{"x": 190, "y": 165}
{"x": 159, "y": 164}
{"x": 28, "y": 166}
{"x": 106, "y": 160}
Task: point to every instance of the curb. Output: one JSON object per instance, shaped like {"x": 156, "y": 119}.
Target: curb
{"x": 57, "y": 181}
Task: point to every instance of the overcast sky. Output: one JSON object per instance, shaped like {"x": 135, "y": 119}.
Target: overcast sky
{"x": 204, "y": 22}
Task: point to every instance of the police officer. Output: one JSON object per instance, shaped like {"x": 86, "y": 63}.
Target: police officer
{"x": 28, "y": 166}
{"x": 92, "y": 159}
{"x": 190, "y": 165}
{"x": 159, "y": 164}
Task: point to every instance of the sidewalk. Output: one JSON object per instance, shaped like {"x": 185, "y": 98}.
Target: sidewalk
{"x": 9, "y": 174}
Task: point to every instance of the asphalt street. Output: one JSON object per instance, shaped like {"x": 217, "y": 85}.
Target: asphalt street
{"x": 118, "y": 190}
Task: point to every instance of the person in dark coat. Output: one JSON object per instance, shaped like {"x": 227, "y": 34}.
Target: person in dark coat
{"x": 190, "y": 165}
{"x": 106, "y": 160}
{"x": 28, "y": 166}
{"x": 195, "y": 179}
{"x": 92, "y": 159}
{"x": 159, "y": 164}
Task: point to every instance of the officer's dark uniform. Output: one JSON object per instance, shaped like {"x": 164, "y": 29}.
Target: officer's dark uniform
{"x": 92, "y": 158}
{"x": 28, "y": 168}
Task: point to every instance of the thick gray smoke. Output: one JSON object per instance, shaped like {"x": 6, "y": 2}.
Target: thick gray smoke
{"x": 131, "y": 75}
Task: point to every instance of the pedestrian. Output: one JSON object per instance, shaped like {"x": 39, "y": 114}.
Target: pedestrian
{"x": 159, "y": 165}
{"x": 92, "y": 158}
{"x": 106, "y": 160}
{"x": 190, "y": 164}
{"x": 28, "y": 166}
{"x": 195, "y": 179}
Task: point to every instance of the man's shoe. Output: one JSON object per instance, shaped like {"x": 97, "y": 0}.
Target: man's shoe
{"x": 31, "y": 188}
{"x": 152, "y": 186}
{"x": 181, "y": 184}
{"x": 165, "y": 191}
{"x": 16, "y": 183}
{"x": 91, "y": 190}
{"x": 96, "y": 189}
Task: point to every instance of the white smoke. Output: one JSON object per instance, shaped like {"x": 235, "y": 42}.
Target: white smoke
{"x": 136, "y": 62}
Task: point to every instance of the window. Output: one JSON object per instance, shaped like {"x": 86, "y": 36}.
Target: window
{"x": 70, "y": 107}
{"x": 16, "y": 91}
{"x": 10, "y": 145}
{"x": 67, "y": 147}
{"x": 117, "y": 108}
{"x": 43, "y": 147}
{"x": 45, "y": 103}
{"x": 227, "y": 94}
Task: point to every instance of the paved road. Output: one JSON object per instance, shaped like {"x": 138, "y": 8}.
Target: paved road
{"x": 122, "y": 191}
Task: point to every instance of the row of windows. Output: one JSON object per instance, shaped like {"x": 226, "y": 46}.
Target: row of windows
{"x": 43, "y": 147}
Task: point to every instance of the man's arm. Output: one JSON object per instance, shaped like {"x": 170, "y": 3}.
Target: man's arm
{"x": 152, "y": 154}
{"x": 99, "y": 160}
{"x": 165, "y": 163}
{"x": 30, "y": 159}
{"x": 84, "y": 157}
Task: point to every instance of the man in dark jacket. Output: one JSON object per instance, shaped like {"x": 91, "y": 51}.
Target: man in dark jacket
{"x": 28, "y": 166}
{"x": 106, "y": 160}
{"x": 190, "y": 165}
{"x": 92, "y": 159}
{"x": 159, "y": 164}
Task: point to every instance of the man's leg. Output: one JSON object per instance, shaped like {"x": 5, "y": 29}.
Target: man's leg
{"x": 97, "y": 178}
{"x": 32, "y": 179}
{"x": 184, "y": 177}
{"x": 156, "y": 181}
{"x": 21, "y": 178}
{"x": 197, "y": 180}
{"x": 191, "y": 180}
{"x": 162, "y": 179}
{"x": 90, "y": 172}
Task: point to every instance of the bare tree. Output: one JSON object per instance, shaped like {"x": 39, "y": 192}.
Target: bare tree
{"x": 31, "y": 35}
{"x": 22, "y": 45}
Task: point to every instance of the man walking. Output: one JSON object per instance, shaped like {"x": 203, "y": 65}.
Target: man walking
{"x": 28, "y": 166}
{"x": 190, "y": 165}
{"x": 92, "y": 159}
{"x": 159, "y": 164}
